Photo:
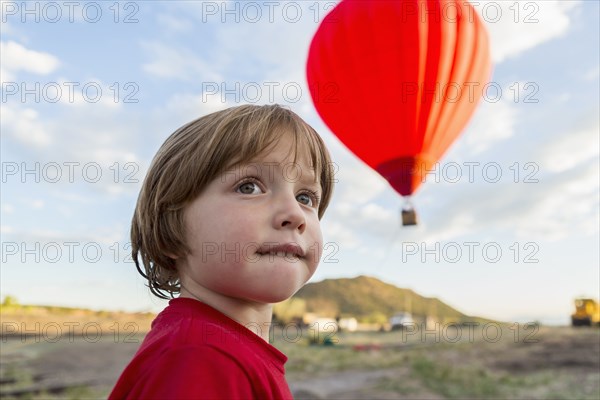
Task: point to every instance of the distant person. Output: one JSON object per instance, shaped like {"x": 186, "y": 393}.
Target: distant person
{"x": 228, "y": 218}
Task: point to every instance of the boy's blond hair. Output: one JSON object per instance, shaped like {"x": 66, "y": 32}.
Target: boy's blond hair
{"x": 192, "y": 157}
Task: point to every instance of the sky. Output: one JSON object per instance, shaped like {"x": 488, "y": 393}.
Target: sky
{"x": 508, "y": 221}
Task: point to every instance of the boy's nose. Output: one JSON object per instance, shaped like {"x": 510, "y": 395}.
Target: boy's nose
{"x": 290, "y": 215}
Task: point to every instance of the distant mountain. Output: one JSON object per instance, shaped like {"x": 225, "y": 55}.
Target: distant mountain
{"x": 370, "y": 300}
{"x": 19, "y": 319}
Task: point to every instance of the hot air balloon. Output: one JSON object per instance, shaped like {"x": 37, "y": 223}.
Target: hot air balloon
{"x": 397, "y": 81}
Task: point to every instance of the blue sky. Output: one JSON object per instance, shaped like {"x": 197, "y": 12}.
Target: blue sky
{"x": 533, "y": 232}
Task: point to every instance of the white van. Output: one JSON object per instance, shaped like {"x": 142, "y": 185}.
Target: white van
{"x": 400, "y": 320}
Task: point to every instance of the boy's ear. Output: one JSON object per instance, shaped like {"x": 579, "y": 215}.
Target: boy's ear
{"x": 171, "y": 255}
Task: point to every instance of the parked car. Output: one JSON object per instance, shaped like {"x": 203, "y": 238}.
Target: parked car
{"x": 401, "y": 320}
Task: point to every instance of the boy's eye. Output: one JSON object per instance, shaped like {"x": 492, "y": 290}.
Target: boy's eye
{"x": 249, "y": 188}
{"x": 308, "y": 198}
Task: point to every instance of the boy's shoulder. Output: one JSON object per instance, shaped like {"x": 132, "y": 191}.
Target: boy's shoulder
{"x": 197, "y": 327}
{"x": 196, "y": 347}
{"x": 189, "y": 322}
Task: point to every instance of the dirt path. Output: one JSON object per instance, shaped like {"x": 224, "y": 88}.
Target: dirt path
{"x": 358, "y": 384}
{"x": 57, "y": 367}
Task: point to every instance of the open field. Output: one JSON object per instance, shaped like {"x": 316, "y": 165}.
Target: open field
{"x": 504, "y": 362}
{"x": 553, "y": 363}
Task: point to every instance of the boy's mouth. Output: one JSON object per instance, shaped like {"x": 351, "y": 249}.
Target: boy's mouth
{"x": 287, "y": 250}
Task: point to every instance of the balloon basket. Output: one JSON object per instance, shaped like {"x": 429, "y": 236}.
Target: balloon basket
{"x": 409, "y": 217}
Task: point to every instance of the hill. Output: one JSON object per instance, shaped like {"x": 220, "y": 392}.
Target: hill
{"x": 370, "y": 300}
{"x": 47, "y": 322}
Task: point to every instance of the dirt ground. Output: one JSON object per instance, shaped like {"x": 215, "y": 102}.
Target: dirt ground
{"x": 550, "y": 363}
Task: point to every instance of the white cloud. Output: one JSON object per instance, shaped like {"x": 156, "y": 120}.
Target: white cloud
{"x": 353, "y": 226}
{"x": 16, "y": 57}
{"x": 570, "y": 150}
{"x": 492, "y": 123}
{"x": 24, "y": 125}
{"x": 456, "y": 224}
{"x": 563, "y": 203}
{"x": 592, "y": 74}
{"x": 563, "y": 97}
{"x": 108, "y": 156}
{"x": 567, "y": 205}
{"x": 8, "y": 208}
{"x": 244, "y": 54}
{"x": 37, "y": 204}
{"x": 71, "y": 197}
{"x": 569, "y": 160}
{"x": 187, "y": 107}
{"x": 376, "y": 214}
{"x": 338, "y": 231}
{"x": 356, "y": 184}
{"x": 171, "y": 62}
{"x": 98, "y": 139}
{"x": 515, "y": 27}
{"x": 91, "y": 93}
{"x": 173, "y": 24}
{"x": 104, "y": 236}
{"x": 559, "y": 205}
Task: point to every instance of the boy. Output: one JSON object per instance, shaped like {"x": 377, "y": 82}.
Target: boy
{"x": 228, "y": 217}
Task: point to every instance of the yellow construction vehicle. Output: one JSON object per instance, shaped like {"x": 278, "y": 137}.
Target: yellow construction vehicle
{"x": 587, "y": 312}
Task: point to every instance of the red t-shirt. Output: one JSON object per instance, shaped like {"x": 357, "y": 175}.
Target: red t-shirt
{"x": 196, "y": 352}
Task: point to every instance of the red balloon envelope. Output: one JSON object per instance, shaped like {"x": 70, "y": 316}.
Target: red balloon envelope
{"x": 397, "y": 81}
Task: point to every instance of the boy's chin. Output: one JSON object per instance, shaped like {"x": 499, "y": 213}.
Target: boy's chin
{"x": 275, "y": 290}
{"x": 276, "y": 296}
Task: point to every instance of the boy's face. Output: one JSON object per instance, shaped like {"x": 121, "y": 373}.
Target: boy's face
{"x": 254, "y": 232}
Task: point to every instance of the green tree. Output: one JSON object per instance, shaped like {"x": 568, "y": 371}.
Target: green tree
{"x": 10, "y": 301}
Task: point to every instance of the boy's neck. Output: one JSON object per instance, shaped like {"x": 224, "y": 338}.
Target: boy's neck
{"x": 254, "y": 316}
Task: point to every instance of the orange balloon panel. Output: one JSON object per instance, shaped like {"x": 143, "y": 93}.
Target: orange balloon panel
{"x": 397, "y": 81}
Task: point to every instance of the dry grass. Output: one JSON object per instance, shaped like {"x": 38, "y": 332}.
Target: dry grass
{"x": 555, "y": 363}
